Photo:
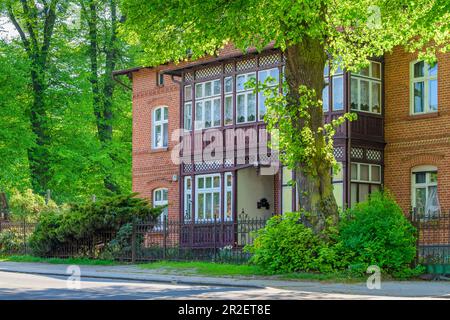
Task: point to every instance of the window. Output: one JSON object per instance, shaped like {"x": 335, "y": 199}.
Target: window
{"x": 228, "y": 200}
{"x": 263, "y": 75}
{"x": 245, "y": 99}
{"x": 207, "y": 205}
{"x": 160, "y": 79}
{"x": 187, "y": 199}
{"x": 188, "y": 107}
{"x": 326, "y": 88}
{"x": 424, "y": 195}
{"x": 160, "y": 127}
{"x": 338, "y": 185}
{"x": 365, "y": 89}
{"x": 228, "y": 106}
{"x": 365, "y": 179}
{"x": 286, "y": 190}
{"x": 424, "y": 88}
{"x": 207, "y": 104}
{"x": 160, "y": 198}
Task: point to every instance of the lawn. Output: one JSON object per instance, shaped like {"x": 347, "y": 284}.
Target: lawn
{"x": 77, "y": 261}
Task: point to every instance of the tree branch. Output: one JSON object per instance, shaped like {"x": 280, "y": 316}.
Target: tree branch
{"x": 19, "y": 29}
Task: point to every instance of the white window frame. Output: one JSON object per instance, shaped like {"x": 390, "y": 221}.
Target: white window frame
{"x": 187, "y": 202}
{"x": 426, "y": 80}
{"x": 160, "y": 123}
{"x": 273, "y": 84}
{"x": 358, "y": 173}
{"x": 202, "y": 99}
{"x": 205, "y": 191}
{"x": 162, "y": 202}
{"x": 427, "y": 169}
{"x": 371, "y": 80}
{"x": 225, "y": 198}
{"x": 245, "y": 93}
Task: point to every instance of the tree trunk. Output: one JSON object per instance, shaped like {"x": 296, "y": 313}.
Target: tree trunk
{"x": 304, "y": 66}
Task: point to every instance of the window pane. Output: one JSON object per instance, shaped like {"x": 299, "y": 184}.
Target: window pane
{"x": 198, "y": 114}
{"x": 164, "y": 195}
{"x": 187, "y": 209}
{"x": 432, "y": 95}
{"x": 376, "y": 174}
{"x": 201, "y": 183}
{"x": 188, "y": 116}
{"x": 208, "y": 206}
{"x": 364, "y": 94}
{"x": 374, "y": 188}
{"x": 216, "y": 182}
{"x": 338, "y": 191}
{"x": 228, "y": 84}
{"x": 432, "y": 71}
{"x": 200, "y": 206}
{"x": 261, "y": 105}
{"x": 208, "y": 89}
{"x": 158, "y": 137}
{"x": 326, "y": 70}
{"x": 286, "y": 201}
{"x": 287, "y": 175}
{"x": 241, "y": 108}
{"x": 353, "y": 194}
{"x": 376, "y": 97}
{"x": 166, "y": 114}
{"x": 338, "y": 174}
{"x": 228, "y": 110}
{"x": 338, "y": 93}
{"x": 217, "y": 112}
{"x": 208, "y": 182}
{"x": 418, "y": 97}
{"x": 363, "y": 192}
{"x": 157, "y": 195}
{"x": 376, "y": 70}
{"x": 420, "y": 199}
{"x": 354, "y": 171}
{"x": 158, "y": 114}
{"x": 229, "y": 180}
{"x": 240, "y": 80}
{"x": 364, "y": 172}
{"x": 364, "y": 72}
{"x": 216, "y": 87}
{"x": 418, "y": 69}
{"x": 188, "y": 184}
{"x": 216, "y": 205}
{"x": 228, "y": 206}
{"x": 326, "y": 98}
{"x": 251, "y": 107}
{"x": 433, "y": 177}
{"x": 165, "y": 135}
{"x": 187, "y": 93}
{"x": 420, "y": 177}
{"x": 208, "y": 114}
{"x": 354, "y": 94}
{"x": 198, "y": 90}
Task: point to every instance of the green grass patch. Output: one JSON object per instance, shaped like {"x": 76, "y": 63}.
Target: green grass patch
{"x": 206, "y": 268}
{"x": 78, "y": 261}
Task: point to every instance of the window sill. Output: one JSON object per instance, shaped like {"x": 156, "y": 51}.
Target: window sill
{"x": 424, "y": 115}
{"x": 157, "y": 150}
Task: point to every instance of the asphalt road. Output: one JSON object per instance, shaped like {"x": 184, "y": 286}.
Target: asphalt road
{"x": 14, "y": 286}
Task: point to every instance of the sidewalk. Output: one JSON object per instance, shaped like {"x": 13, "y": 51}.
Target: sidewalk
{"x": 133, "y": 273}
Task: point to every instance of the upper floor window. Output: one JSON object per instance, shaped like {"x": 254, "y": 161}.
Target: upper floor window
{"x": 274, "y": 76}
{"x": 207, "y": 104}
{"x": 424, "y": 197}
{"x": 326, "y": 88}
{"x": 160, "y": 127}
{"x": 188, "y": 107}
{"x": 337, "y": 90}
{"x": 160, "y": 198}
{"x": 424, "y": 88}
{"x": 366, "y": 89}
{"x": 228, "y": 103}
{"x": 245, "y": 99}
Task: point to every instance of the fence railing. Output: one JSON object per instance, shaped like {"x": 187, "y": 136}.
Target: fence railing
{"x": 147, "y": 241}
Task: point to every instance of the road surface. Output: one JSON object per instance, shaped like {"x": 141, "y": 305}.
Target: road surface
{"x": 15, "y": 286}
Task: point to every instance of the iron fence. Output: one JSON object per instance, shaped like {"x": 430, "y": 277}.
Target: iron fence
{"x": 221, "y": 241}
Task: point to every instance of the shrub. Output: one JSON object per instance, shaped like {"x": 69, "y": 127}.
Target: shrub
{"x": 286, "y": 245}
{"x": 56, "y": 229}
{"x": 29, "y": 206}
{"x": 377, "y": 233}
{"x": 10, "y": 242}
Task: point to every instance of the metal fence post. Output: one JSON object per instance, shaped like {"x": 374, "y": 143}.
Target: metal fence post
{"x": 215, "y": 238}
{"x": 164, "y": 236}
{"x": 133, "y": 242}
{"x": 24, "y": 236}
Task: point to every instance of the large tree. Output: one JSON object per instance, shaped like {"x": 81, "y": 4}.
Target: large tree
{"x": 309, "y": 33}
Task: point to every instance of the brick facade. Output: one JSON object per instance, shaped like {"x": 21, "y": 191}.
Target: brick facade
{"x": 415, "y": 140}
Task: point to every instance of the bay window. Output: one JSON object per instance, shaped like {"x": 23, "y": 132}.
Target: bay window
{"x": 337, "y": 89}
{"x": 263, "y": 75}
{"x": 160, "y": 127}
{"x": 365, "y": 89}
{"x": 365, "y": 179}
{"x": 207, "y": 104}
{"x": 424, "y": 195}
{"x": 245, "y": 99}
{"x": 424, "y": 88}
{"x": 228, "y": 103}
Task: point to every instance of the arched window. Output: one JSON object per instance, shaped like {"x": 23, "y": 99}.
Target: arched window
{"x": 424, "y": 195}
{"x": 160, "y": 198}
{"x": 160, "y": 127}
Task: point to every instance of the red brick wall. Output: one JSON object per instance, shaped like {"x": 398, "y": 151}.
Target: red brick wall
{"x": 415, "y": 140}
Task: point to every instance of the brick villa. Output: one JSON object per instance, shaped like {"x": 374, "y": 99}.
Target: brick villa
{"x": 401, "y": 140}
